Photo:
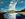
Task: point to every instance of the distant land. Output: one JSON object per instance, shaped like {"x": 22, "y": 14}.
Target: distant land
{"x": 21, "y": 10}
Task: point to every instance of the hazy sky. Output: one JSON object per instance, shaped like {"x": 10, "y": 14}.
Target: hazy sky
{"x": 4, "y": 4}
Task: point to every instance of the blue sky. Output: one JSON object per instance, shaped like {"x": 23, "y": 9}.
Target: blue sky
{"x": 20, "y": 4}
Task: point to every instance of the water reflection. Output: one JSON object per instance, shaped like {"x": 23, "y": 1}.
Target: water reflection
{"x": 10, "y": 16}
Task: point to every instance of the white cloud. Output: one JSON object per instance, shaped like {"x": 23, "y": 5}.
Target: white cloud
{"x": 3, "y": 10}
{"x": 22, "y": 1}
{"x": 11, "y": 2}
{"x": 12, "y": 5}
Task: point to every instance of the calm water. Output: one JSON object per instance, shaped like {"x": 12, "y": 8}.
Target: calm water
{"x": 11, "y": 16}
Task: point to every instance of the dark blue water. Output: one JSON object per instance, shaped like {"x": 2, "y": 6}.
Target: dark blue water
{"x": 20, "y": 17}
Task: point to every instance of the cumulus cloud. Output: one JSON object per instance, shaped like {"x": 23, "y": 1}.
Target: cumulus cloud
{"x": 12, "y": 5}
